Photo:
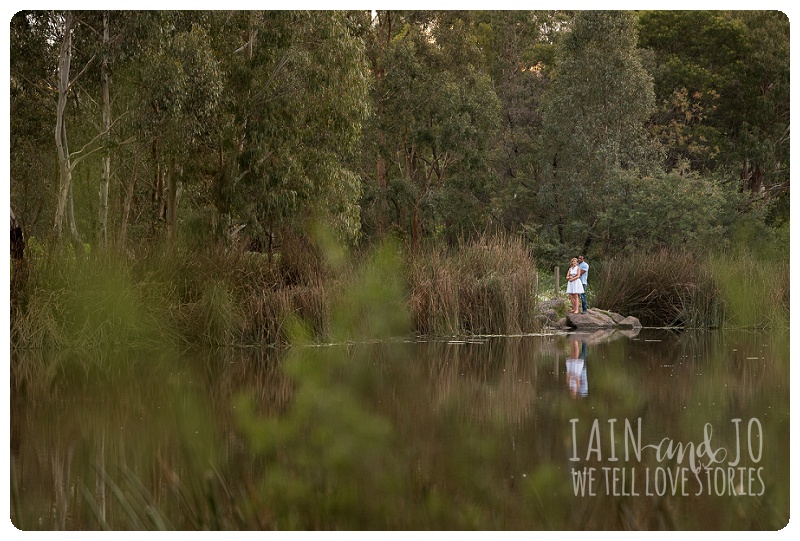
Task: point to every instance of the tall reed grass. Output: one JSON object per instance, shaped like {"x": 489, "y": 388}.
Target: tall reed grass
{"x": 677, "y": 288}
{"x": 663, "y": 288}
{"x": 754, "y": 291}
{"x": 487, "y": 286}
{"x": 90, "y": 303}
{"x": 186, "y": 297}
{"x": 180, "y": 298}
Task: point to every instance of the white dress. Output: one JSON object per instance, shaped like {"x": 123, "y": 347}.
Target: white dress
{"x": 575, "y": 286}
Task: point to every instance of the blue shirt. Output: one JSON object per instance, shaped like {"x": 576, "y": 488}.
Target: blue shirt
{"x": 585, "y": 268}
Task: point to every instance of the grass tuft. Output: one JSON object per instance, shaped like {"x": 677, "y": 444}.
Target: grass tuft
{"x": 484, "y": 287}
{"x": 676, "y": 288}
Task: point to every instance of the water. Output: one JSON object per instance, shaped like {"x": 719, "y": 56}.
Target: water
{"x": 650, "y": 430}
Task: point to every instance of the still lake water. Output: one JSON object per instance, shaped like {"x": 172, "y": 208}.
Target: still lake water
{"x": 651, "y": 430}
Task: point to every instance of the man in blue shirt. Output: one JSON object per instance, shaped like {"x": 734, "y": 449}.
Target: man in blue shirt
{"x": 584, "y": 268}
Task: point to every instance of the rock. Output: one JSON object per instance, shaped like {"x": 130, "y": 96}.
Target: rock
{"x": 630, "y": 322}
{"x": 555, "y": 303}
{"x": 613, "y": 315}
{"x": 592, "y": 319}
{"x": 550, "y": 312}
{"x": 601, "y": 319}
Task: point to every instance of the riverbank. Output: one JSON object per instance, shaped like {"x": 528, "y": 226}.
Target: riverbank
{"x": 488, "y": 286}
{"x": 244, "y": 298}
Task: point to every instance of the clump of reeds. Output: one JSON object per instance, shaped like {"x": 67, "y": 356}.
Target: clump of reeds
{"x": 434, "y": 300}
{"x": 677, "y": 288}
{"x": 92, "y": 303}
{"x": 214, "y": 318}
{"x": 218, "y": 297}
{"x": 270, "y": 309}
{"x": 487, "y": 286}
{"x": 755, "y": 291}
{"x": 662, "y": 288}
{"x": 34, "y": 324}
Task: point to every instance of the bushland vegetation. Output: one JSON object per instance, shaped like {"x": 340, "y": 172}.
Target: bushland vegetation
{"x": 192, "y": 298}
{"x": 193, "y": 149}
{"x": 289, "y": 178}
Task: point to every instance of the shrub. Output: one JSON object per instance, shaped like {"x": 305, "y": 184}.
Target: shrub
{"x": 92, "y": 303}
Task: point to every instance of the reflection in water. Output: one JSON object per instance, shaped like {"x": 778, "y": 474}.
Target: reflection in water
{"x": 576, "y": 371}
{"x": 414, "y": 435}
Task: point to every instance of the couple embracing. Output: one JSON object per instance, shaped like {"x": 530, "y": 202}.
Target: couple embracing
{"x": 577, "y": 278}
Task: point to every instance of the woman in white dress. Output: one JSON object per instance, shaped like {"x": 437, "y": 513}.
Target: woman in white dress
{"x": 574, "y": 285}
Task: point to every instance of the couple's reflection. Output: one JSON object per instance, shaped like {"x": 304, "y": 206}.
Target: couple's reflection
{"x": 576, "y": 370}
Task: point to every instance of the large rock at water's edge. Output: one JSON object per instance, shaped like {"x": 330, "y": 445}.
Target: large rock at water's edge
{"x": 550, "y": 316}
{"x": 600, "y": 319}
{"x": 591, "y": 319}
{"x": 623, "y": 322}
{"x": 630, "y": 322}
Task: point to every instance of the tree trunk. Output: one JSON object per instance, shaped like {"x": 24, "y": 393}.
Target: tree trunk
{"x": 75, "y": 238}
{"x": 17, "y": 239}
{"x": 64, "y": 168}
{"x": 586, "y": 244}
{"x": 383, "y": 190}
{"x": 106, "y": 175}
{"x": 171, "y": 203}
{"x": 64, "y": 205}
{"x": 158, "y": 187}
{"x": 19, "y": 267}
{"x": 416, "y": 229}
{"x": 126, "y": 207}
{"x": 745, "y": 175}
{"x": 172, "y": 199}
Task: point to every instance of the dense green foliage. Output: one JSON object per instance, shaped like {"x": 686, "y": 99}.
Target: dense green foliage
{"x": 241, "y": 126}
{"x": 231, "y": 133}
{"x": 722, "y": 85}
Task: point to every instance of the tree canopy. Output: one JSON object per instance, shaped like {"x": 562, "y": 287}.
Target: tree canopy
{"x": 573, "y": 129}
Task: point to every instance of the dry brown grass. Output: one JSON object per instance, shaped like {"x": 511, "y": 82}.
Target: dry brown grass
{"x": 664, "y": 288}
{"x": 484, "y": 287}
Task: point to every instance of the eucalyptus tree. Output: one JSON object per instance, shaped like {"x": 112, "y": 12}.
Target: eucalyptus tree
{"x": 436, "y": 115}
{"x": 97, "y": 37}
{"x": 76, "y": 30}
{"x": 693, "y": 56}
{"x": 34, "y": 45}
{"x": 722, "y": 85}
{"x": 593, "y": 125}
{"x": 106, "y": 126}
{"x": 763, "y": 138}
{"x": 295, "y": 100}
{"x": 519, "y": 49}
{"x": 64, "y": 199}
{"x": 71, "y": 75}
{"x": 179, "y": 86}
